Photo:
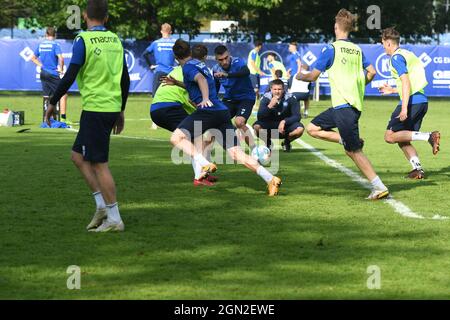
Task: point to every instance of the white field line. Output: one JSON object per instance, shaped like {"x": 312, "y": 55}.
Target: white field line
{"x": 398, "y": 206}
{"x": 127, "y": 137}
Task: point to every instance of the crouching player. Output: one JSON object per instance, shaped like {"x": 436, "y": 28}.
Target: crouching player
{"x": 280, "y": 111}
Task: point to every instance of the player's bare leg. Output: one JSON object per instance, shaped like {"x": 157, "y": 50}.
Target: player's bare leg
{"x": 317, "y": 132}
{"x": 273, "y": 183}
{"x": 244, "y": 132}
{"x": 380, "y": 191}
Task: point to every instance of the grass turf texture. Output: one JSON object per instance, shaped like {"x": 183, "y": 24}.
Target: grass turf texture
{"x": 315, "y": 241}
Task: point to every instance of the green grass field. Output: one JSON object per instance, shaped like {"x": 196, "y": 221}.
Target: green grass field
{"x": 315, "y": 241}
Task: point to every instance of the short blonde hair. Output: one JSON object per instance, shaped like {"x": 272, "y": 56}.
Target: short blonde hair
{"x": 345, "y": 20}
{"x": 166, "y": 28}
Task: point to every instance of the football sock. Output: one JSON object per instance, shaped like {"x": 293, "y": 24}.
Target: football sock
{"x": 201, "y": 160}
{"x": 112, "y": 211}
{"x": 378, "y": 184}
{"x": 99, "y": 201}
{"x": 420, "y": 136}
{"x": 415, "y": 162}
{"x": 265, "y": 174}
{"x": 197, "y": 169}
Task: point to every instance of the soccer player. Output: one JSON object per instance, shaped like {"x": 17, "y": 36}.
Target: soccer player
{"x": 161, "y": 50}
{"x": 406, "y": 120}
{"x": 275, "y": 65}
{"x": 99, "y": 65}
{"x": 48, "y": 56}
{"x": 233, "y": 74}
{"x": 211, "y": 113}
{"x": 345, "y": 64}
{"x": 301, "y": 89}
{"x": 279, "y": 110}
{"x": 170, "y": 106}
{"x": 294, "y": 60}
{"x": 254, "y": 65}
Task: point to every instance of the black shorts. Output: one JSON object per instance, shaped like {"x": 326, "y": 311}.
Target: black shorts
{"x": 346, "y": 120}
{"x": 301, "y": 96}
{"x": 416, "y": 112}
{"x": 219, "y": 120}
{"x": 49, "y": 83}
{"x": 240, "y": 108}
{"x": 273, "y": 125}
{"x": 93, "y": 138}
{"x": 255, "y": 78}
{"x": 169, "y": 117}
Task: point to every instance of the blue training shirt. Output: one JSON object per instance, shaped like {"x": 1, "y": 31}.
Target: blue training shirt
{"x": 292, "y": 62}
{"x": 48, "y": 52}
{"x": 236, "y": 88}
{"x": 162, "y": 51}
{"x": 190, "y": 70}
{"x": 399, "y": 64}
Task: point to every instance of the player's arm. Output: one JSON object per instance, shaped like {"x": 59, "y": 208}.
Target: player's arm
{"x": 308, "y": 77}
{"x": 370, "y": 74}
{"x": 125, "y": 88}
{"x": 294, "y": 106}
{"x": 243, "y": 72}
{"x": 322, "y": 64}
{"x": 60, "y": 63}
{"x": 36, "y": 61}
{"x": 406, "y": 93}
{"x": 204, "y": 89}
{"x": 264, "y": 112}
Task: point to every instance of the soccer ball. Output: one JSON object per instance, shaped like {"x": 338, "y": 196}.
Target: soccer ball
{"x": 261, "y": 154}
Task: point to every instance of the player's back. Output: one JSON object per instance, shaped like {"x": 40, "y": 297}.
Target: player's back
{"x": 190, "y": 70}
{"x": 47, "y": 52}
{"x": 100, "y": 77}
{"x": 346, "y": 75}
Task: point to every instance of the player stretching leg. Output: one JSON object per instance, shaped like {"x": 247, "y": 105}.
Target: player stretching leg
{"x": 212, "y": 114}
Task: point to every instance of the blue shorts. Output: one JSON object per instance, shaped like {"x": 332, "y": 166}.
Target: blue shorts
{"x": 273, "y": 125}
{"x": 255, "y": 78}
{"x": 219, "y": 120}
{"x": 93, "y": 138}
{"x": 301, "y": 96}
{"x": 168, "y": 117}
{"x": 346, "y": 120}
{"x": 240, "y": 108}
{"x": 49, "y": 83}
{"x": 416, "y": 112}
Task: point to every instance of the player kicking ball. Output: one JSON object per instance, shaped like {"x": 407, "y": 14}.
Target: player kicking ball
{"x": 406, "y": 120}
{"x": 345, "y": 64}
{"x": 171, "y": 105}
{"x": 211, "y": 113}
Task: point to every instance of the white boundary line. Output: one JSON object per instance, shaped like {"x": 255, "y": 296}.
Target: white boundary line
{"x": 398, "y": 206}
{"x": 127, "y": 137}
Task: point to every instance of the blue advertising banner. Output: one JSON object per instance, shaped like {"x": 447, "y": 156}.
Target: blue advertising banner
{"x": 19, "y": 73}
